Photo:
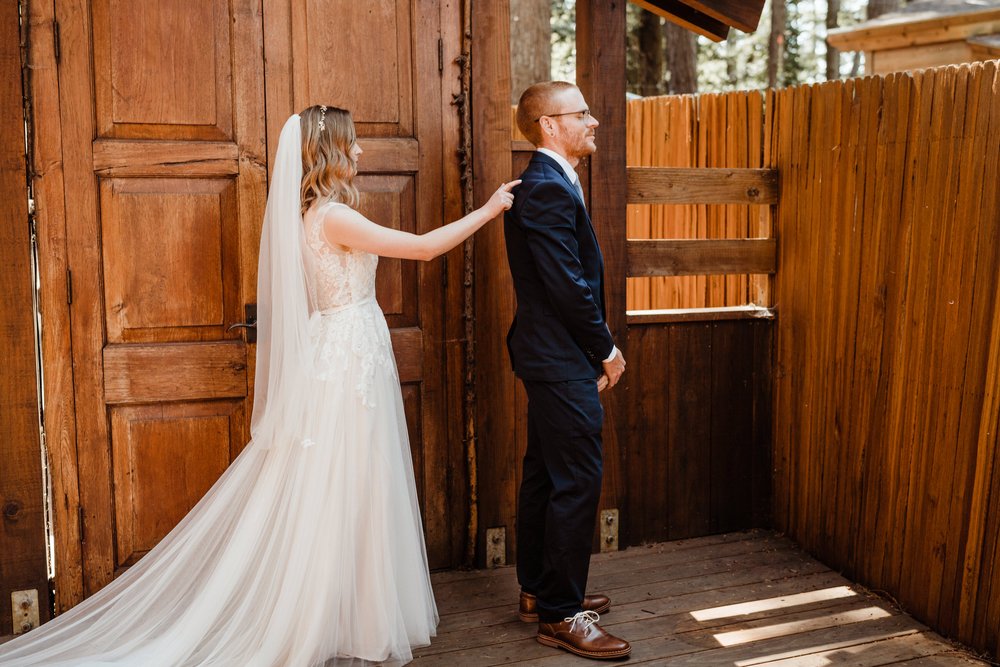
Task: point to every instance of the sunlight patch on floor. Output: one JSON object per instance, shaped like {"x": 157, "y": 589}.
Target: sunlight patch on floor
{"x": 770, "y": 604}
{"x": 794, "y": 627}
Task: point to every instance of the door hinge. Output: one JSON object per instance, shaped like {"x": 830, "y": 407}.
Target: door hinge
{"x": 440, "y": 55}
{"x": 444, "y": 270}
{"x": 56, "y": 46}
{"x": 69, "y": 287}
{"x": 83, "y": 533}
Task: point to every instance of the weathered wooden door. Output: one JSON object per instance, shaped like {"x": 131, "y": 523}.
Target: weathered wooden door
{"x": 163, "y": 147}
{"x": 165, "y": 136}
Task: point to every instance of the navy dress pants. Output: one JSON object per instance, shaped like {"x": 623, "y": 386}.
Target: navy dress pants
{"x": 559, "y": 495}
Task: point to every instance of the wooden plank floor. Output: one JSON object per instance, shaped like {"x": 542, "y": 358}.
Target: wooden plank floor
{"x": 751, "y": 598}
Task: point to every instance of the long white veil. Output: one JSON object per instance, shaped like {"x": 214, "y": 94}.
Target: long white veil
{"x": 284, "y": 348}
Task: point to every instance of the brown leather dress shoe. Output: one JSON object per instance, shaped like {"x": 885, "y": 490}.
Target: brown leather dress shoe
{"x": 528, "y": 608}
{"x": 581, "y": 635}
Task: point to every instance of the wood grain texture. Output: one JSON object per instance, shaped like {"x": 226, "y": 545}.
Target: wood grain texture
{"x": 671, "y": 316}
{"x": 683, "y": 14}
{"x": 884, "y": 437}
{"x": 501, "y": 407}
{"x": 145, "y": 158}
{"x": 744, "y": 15}
{"x": 677, "y": 185}
{"x": 698, "y": 442}
{"x": 700, "y": 257}
{"x": 739, "y": 598}
{"x": 600, "y": 68}
{"x": 50, "y": 207}
{"x": 22, "y": 521}
{"x": 174, "y": 372}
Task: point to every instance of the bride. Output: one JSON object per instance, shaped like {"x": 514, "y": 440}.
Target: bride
{"x": 308, "y": 550}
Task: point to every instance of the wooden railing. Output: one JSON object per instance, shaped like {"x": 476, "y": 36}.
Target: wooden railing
{"x": 701, "y": 257}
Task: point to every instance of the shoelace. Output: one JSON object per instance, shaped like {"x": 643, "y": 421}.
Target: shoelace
{"x": 584, "y": 619}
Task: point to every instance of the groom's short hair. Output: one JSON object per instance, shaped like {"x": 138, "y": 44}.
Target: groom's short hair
{"x": 535, "y": 102}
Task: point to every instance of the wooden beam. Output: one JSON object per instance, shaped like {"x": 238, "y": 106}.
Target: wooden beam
{"x": 160, "y": 158}
{"x": 721, "y": 314}
{"x": 180, "y": 371}
{"x": 742, "y": 14}
{"x": 700, "y": 257}
{"x": 22, "y": 521}
{"x": 687, "y": 17}
{"x": 701, "y": 185}
{"x": 501, "y": 429}
{"x": 600, "y": 47}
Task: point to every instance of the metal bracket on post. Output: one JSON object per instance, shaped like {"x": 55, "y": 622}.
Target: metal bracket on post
{"x": 609, "y": 530}
{"x": 24, "y": 610}
{"x": 496, "y": 547}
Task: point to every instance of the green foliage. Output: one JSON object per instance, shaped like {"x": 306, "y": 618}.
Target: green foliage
{"x": 564, "y": 40}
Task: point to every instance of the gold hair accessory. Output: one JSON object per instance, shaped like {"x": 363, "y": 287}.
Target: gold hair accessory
{"x": 322, "y": 117}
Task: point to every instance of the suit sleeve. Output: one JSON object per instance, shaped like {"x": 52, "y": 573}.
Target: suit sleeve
{"x": 549, "y": 221}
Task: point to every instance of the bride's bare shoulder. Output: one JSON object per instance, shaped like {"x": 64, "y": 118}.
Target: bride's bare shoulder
{"x": 331, "y": 217}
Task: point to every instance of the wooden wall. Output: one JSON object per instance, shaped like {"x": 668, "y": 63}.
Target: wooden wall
{"x": 698, "y": 435}
{"x": 887, "y": 373}
{"x": 22, "y": 527}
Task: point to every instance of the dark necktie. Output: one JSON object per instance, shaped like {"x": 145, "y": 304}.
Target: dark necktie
{"x": 579, "y": 191}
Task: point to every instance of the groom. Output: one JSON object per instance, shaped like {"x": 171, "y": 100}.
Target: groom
{"x": 562, "y": 350}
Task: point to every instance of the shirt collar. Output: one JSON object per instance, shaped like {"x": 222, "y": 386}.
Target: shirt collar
{"x": 570, "y": 172}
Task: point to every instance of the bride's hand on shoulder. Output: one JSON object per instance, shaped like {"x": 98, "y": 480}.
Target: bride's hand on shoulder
{"x": 502, "y": 199}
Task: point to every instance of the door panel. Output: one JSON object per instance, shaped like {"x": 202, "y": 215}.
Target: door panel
{"x": 332, "y": 37}
{"x": 390, "y": 199}
{"x": 170, "y": 258}
{"x": 165, "y": 457}
{"x": 170, "y": 77}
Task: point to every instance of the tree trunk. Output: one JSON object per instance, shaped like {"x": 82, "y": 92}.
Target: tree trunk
{"x": 832, "y": 54}
{"x": 776, "y": 44}
{"x": 650, "y": 55}
{"x": 682, "y": 59}
{"x": 530, "y": 44}
{"x": 879, "y": 7}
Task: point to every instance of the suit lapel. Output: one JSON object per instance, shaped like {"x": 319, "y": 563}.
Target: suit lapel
{"x": 545, "y": 159}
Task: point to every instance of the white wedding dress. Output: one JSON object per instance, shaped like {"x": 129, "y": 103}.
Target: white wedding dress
{"x": 308, "y": 550}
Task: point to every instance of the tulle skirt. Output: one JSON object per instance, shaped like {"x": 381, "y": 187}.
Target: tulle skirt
{"x": 305, "y": 552}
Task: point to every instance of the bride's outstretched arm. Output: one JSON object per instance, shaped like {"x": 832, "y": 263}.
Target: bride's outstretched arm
{"x": 347, "y": 227}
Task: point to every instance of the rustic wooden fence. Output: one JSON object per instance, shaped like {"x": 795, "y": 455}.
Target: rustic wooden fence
{"x": 708, "y": 131}
{"x": 887, "y": 360}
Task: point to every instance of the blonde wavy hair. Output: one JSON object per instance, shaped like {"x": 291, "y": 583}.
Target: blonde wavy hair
{"x": 328, "y": 169}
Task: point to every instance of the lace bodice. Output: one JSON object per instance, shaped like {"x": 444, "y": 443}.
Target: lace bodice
{"x": 347, "y": 322}
{"x": 342, "y": 277}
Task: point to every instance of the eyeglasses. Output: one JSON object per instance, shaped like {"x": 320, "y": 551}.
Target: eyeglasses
{"x": 584, "y": 114}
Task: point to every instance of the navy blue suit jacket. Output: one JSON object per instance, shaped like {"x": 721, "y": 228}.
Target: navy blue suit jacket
{"x": 559, "y": 330}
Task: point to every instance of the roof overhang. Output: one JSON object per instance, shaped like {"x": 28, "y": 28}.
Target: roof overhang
{"x": 711, "y": 18}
